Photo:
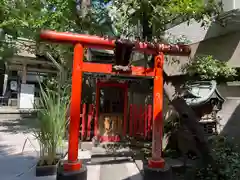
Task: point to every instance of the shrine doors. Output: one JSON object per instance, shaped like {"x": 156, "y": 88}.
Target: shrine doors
{"x": 111, "y": 110}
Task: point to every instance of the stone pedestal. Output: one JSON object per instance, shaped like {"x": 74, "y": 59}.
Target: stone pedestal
{"x": 157, "y": 173}
{"x": 75, "y": 175}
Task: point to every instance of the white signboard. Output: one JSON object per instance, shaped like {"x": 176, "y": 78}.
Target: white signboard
{"x": 27, "y": 96}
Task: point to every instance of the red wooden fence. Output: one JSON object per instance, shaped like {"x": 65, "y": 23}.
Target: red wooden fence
{"x": 139, "y": 123}
{"x": 86, "y": 121}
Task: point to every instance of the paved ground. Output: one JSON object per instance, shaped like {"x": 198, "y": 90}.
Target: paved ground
{"x": 15, "y": 165}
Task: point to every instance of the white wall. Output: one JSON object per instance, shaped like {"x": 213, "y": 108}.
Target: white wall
{"x": 236, "y": 4}
{"x": 195, "y": 33}
{"x": 228, "y": 4}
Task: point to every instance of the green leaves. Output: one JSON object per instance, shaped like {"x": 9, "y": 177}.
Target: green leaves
{"x": 227, "y": 157}
{"x": 51, "y": 126}
{"x": 24, "y": 18}
{"x": 208, "y": 68}
{"x": 161, "y": 13}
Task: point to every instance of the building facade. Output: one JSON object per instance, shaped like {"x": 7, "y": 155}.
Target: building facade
{"x": 21, "y": 74}
{"x": 223, "y": 43}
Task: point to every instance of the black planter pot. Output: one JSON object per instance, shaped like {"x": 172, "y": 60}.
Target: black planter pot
{"x": 47, "y": 170}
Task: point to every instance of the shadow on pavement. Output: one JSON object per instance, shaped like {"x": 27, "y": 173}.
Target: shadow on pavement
{"x": 105, "y": 162}
{"x": 19, "y": 125}
{"x": 15, "y": 165}
{"x": 134, "y": 177}
{"x": 5, "y": 150}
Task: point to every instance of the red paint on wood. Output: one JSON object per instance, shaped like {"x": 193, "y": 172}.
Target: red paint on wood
{"x": 149, "y": 119}
{"x": 140, "y": 120}
{"x": 84, "y": 120}
{"x": 90, "y": 116}
{"x": 106, "y": 43}
{"x": 97, "y": 109}
{"x": 75, "y": 105}
{"x": 145, "y": 121}
{"x": 156, "y": 164}
{"x": 131, "y": 120}
{"x": 125, "y": 109}
{"x": 157, "y": 113}
{"x": 107, "y": 68}
{"x": 72, "y": 166}
{"x": 135, "y": 120}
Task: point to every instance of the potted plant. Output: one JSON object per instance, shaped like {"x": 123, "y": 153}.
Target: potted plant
{"x": 50, "y": 129}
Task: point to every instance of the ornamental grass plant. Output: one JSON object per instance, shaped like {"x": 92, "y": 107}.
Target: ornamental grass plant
{"x": 51, "y": 124}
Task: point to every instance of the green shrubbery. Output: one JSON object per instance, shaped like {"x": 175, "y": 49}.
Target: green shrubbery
{"x": 208, "y": 68}
{"x": 227, "y": 157}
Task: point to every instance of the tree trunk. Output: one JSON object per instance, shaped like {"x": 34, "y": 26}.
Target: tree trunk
{"x": 191, "y": 121}
{"x": 187, "y": 115}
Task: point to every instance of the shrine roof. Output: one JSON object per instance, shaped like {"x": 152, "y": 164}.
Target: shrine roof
{"x": 201, "y": 92}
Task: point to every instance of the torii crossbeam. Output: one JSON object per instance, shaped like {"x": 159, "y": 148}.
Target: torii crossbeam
{"x": 73, "y": 165}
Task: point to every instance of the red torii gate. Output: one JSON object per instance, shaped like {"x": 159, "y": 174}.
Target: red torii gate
{"x": 73, "y": 166}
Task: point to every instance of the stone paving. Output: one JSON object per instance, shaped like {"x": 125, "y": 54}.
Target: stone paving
{"x": 18, "y": 165}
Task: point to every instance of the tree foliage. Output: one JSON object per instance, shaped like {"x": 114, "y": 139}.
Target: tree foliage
{"x": 154, "y": 16}
{"x": 23, "y": 18}
{"x": 227, "y": 157}
{"x": 208, "y": 68}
